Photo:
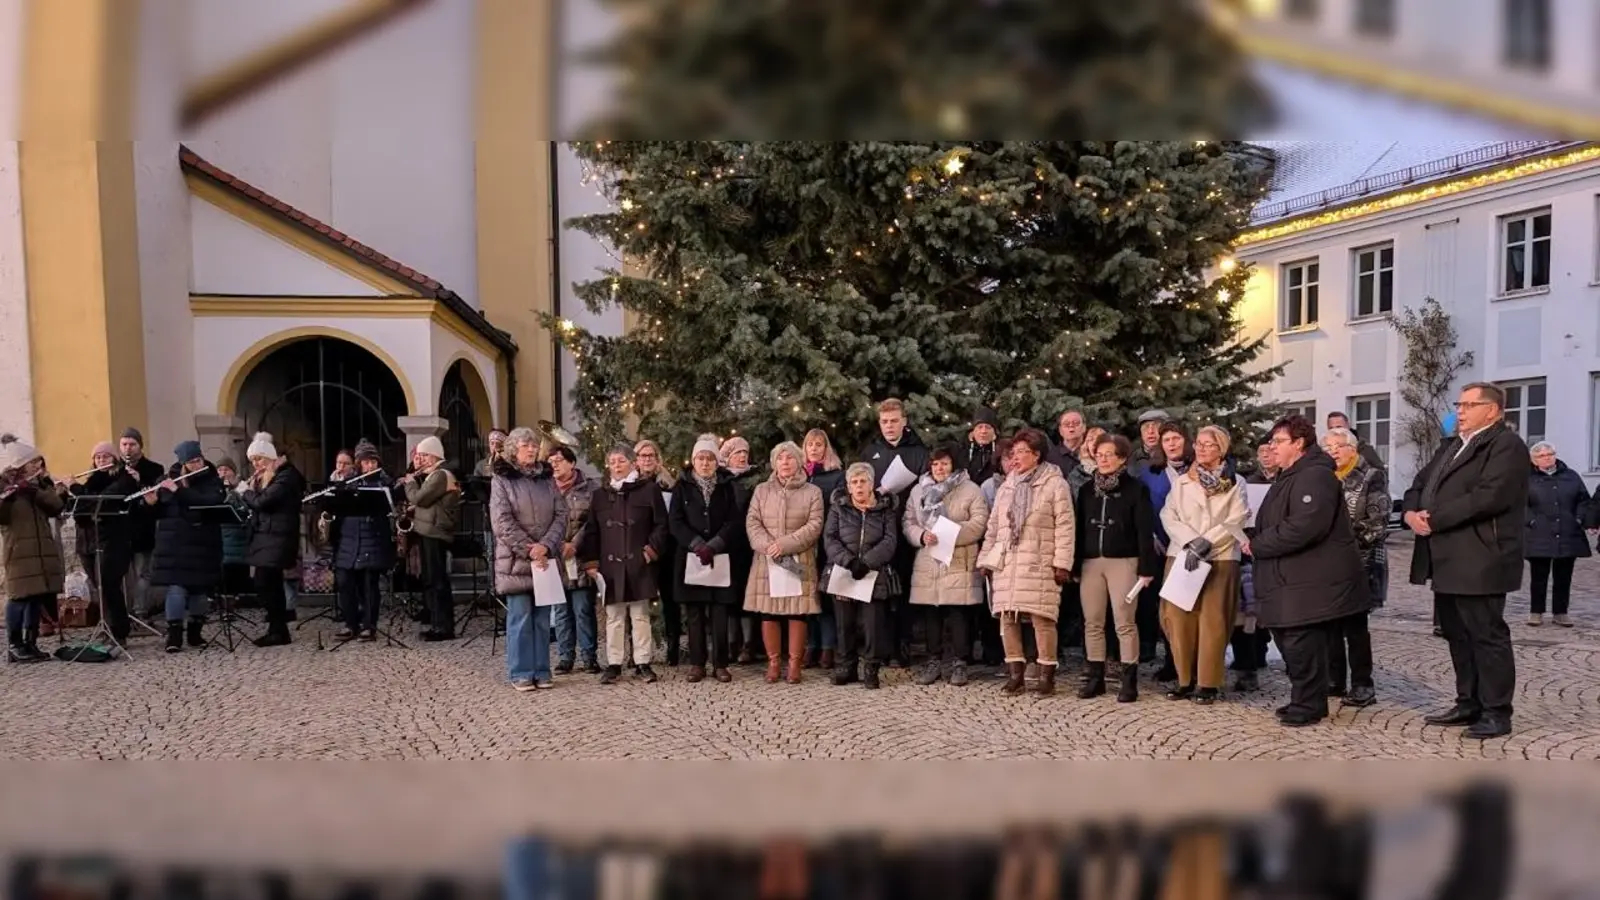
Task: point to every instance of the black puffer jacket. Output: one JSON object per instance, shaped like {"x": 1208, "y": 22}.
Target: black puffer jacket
{"x": 1558, "y": 510}
{"x": 1308, "y": 569}
{"x": 872, "y": 536}
{"x": 188, "y": 553}
{"x": 106, "y": 530}
{"x": 141, "y": 517}
{"x": 365, "y": 543}
{"x": 275, "y": 523}
{"x": 718, "y": 524}
{"x": 827, "y": 481}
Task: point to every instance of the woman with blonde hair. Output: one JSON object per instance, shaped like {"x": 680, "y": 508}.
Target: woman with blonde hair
{"x": 1204, "y": 517}
{"x": 826, "y": 471}
{"x": 651, "y": 464}
{"x": 784, "y": 523}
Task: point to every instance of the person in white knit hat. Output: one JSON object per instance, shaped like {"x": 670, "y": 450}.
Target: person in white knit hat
{"x": 34, "y": 573}
{"x": 435, "y": 499}
{"x": 273, "y": 492}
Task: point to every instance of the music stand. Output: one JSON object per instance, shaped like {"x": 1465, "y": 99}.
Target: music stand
{"x": 97, "y": 508}
{"x": 363, "y": 503}
{"x": 222, "y": 515}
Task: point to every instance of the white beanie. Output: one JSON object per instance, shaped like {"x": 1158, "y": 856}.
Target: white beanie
{"x": 261, "y": 447}
{"x": 431, "y": 446}
{"x": 14, "y": 454}
{"x": 706, "y": 444}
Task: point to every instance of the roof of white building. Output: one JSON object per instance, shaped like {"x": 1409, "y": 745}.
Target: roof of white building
{"x": 1314, "y": 175}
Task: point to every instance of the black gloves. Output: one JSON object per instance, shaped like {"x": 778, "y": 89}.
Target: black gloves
{"x": 1198, "y": 549}
{"x": 703, "y": 552}
{"x": 858, "y": 570}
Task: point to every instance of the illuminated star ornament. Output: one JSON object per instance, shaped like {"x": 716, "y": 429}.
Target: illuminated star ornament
{"x": 954, "y": 163}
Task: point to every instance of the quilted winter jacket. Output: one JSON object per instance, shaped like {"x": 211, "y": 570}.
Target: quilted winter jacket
{"x": 791, "y": 515}
{"x": 958, "y": 584}
{"x": 525, "y": 508}
{"x": 1023, "y": 579}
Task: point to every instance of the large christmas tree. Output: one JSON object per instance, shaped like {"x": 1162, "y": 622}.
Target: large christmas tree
{"x": 778, "y": 286}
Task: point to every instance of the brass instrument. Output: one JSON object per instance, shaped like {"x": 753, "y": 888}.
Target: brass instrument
{"x": 552, "y": 435}
{"x": 325, "y": 520}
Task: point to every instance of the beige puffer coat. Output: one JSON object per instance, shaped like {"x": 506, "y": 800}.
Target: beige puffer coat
{"x": 791, "y": 515}
{"x": 1024, "y": 572}
{"x": 958, "y": 584}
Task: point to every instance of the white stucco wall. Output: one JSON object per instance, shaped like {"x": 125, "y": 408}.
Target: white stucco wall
{"x": 582, "y": 258}
{"x": 10, "y": 67}
{"x": 16, "y": 398}
{"x": 220, "y": 341}
{"x": 377, "y": 140}
{"x": 234, "y": 257}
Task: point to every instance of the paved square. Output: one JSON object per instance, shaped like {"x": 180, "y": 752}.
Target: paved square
{"x": 451, "y": 701}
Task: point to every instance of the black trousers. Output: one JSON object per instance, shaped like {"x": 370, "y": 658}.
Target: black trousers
{"x": 1249, "y": 649}
{"x": 700, "y": 614}
{"x": 901, "y": 614}
{"x": 1539, "y": 572}
{"x": 671, "y": 610}
{"x": 274, "y": 603}
{"x": 1305, "y": 659}
{"x": 359, "y": 598}
{"x": 1480, "y": 650}
{"x": 857, "y": 620}
{"x": 988, "y": 631}
{"x": 1350, "y": 634}
{"x": 112, "y": 573}
{"x": 954, "y": 645}
{"x": 436, "y": 575}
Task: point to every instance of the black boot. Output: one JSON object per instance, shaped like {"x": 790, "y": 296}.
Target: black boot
{"x": 31, "y": 641}
{"x": 869, "y": 678}
{"x": 196, "y": 639}
{"x": 277, "y": 635}
{"x": 1094, "y": 680}
{"x": 175, "y": 637}
{"x": 1130, "y": 684}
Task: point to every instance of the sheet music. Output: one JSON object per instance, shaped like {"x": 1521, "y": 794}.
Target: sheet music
{"x": 947, "y": 532}
{"x": 897, "y": 477}
{"x": 783, "y": 583}
{"x": 718, "y": 574}
{"x": 1182, "y": 587}
{"x": 842, "y": 584}
{"x": 548, "y": 588}
{"x": 1254, "y": 494}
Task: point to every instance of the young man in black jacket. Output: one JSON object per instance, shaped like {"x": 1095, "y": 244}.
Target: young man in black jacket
{"x": 898, "y": 440}
{"x": 141, "y": 524}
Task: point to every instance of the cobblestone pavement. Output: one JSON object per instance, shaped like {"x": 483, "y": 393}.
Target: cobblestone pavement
{"x": 375, "y": 702}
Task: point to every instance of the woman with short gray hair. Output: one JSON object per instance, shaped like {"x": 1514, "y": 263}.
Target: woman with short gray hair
{"x": 784, "y": 523}
{"x": 861, "y": 535}
{"x": 529, "y": 518}
{"x": 1366, "y": 499}
{"x": 1559, "y": 509}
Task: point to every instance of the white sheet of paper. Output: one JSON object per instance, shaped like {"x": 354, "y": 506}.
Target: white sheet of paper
{"x": 599, "y": 587}
{"x": 897, "y": 478}
{"x": 667, "y": 498}
{"x": 548, "y": 588}
{"x": 1254, "y": 494}
{"x": 841, "y": 584}
{"x": 1182, "y": 587}
{"x": 947, "y": 532}
{"x": 781, "y": 582}
{"x": 718, "y": 574}
{"x": 1133, "y": 595}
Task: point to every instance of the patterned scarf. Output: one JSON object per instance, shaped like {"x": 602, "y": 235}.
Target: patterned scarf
{"x": 1106, "y": 484}
{"x": 1022, "y": 500}
{"x": 930, "y": 503}
{"x": 1214, "y": 483}
{"x": 707, "y": 485}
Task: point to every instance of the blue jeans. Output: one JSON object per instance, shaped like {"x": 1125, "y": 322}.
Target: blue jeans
{"x": 579, "y": 607}
{"x": 822, "y": 632}
{"x": 182, "y": 602}
{"x": 527, "y": 639}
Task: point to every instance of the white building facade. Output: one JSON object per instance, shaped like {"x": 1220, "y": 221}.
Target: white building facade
{"x": 1506, "y": 237}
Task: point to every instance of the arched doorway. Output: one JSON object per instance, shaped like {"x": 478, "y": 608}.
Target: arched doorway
{"x": 320, "y": 395}
{"x": 462, "y": 401}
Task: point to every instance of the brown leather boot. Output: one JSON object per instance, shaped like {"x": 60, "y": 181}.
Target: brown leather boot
{"x": 1014, "y": 681}
{"x": 797, "y": 649}
{"x": 772, "y": 638}
{"x": 1047, "y": 679}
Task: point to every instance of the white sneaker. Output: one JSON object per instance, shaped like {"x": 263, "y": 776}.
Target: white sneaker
{"x": 1535, "y": 620}
{"x": 523, "y": 686}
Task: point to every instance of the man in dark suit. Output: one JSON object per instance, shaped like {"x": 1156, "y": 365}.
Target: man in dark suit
{"x": 1466, "y": 507}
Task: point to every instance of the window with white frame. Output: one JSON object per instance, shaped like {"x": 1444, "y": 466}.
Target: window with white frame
{"x": 1525, "y": 410}
{"x": 1301, "y": 286}
{"x": 1525, "y": 251}
{"x": 1304, "y": 10}
{"x": 1375, "y": 18}
{"x": 1307, "y": 408}
{"x": 1370, "y": 417}
{"x": 1527, "y": 36}
{"x": 1374, "y": 282}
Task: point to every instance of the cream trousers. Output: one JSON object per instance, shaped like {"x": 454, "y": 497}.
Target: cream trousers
{"x": 618, "y": 615}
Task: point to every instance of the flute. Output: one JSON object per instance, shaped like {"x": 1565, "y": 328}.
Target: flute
{"x": 333, "y": 487}
{"x": 151, "y": 490}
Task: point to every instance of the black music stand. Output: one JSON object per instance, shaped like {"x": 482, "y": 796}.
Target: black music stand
{"x": 97, "y": 508}
{"x": 222, "y": 515}
{"x": 363, "y": 503}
